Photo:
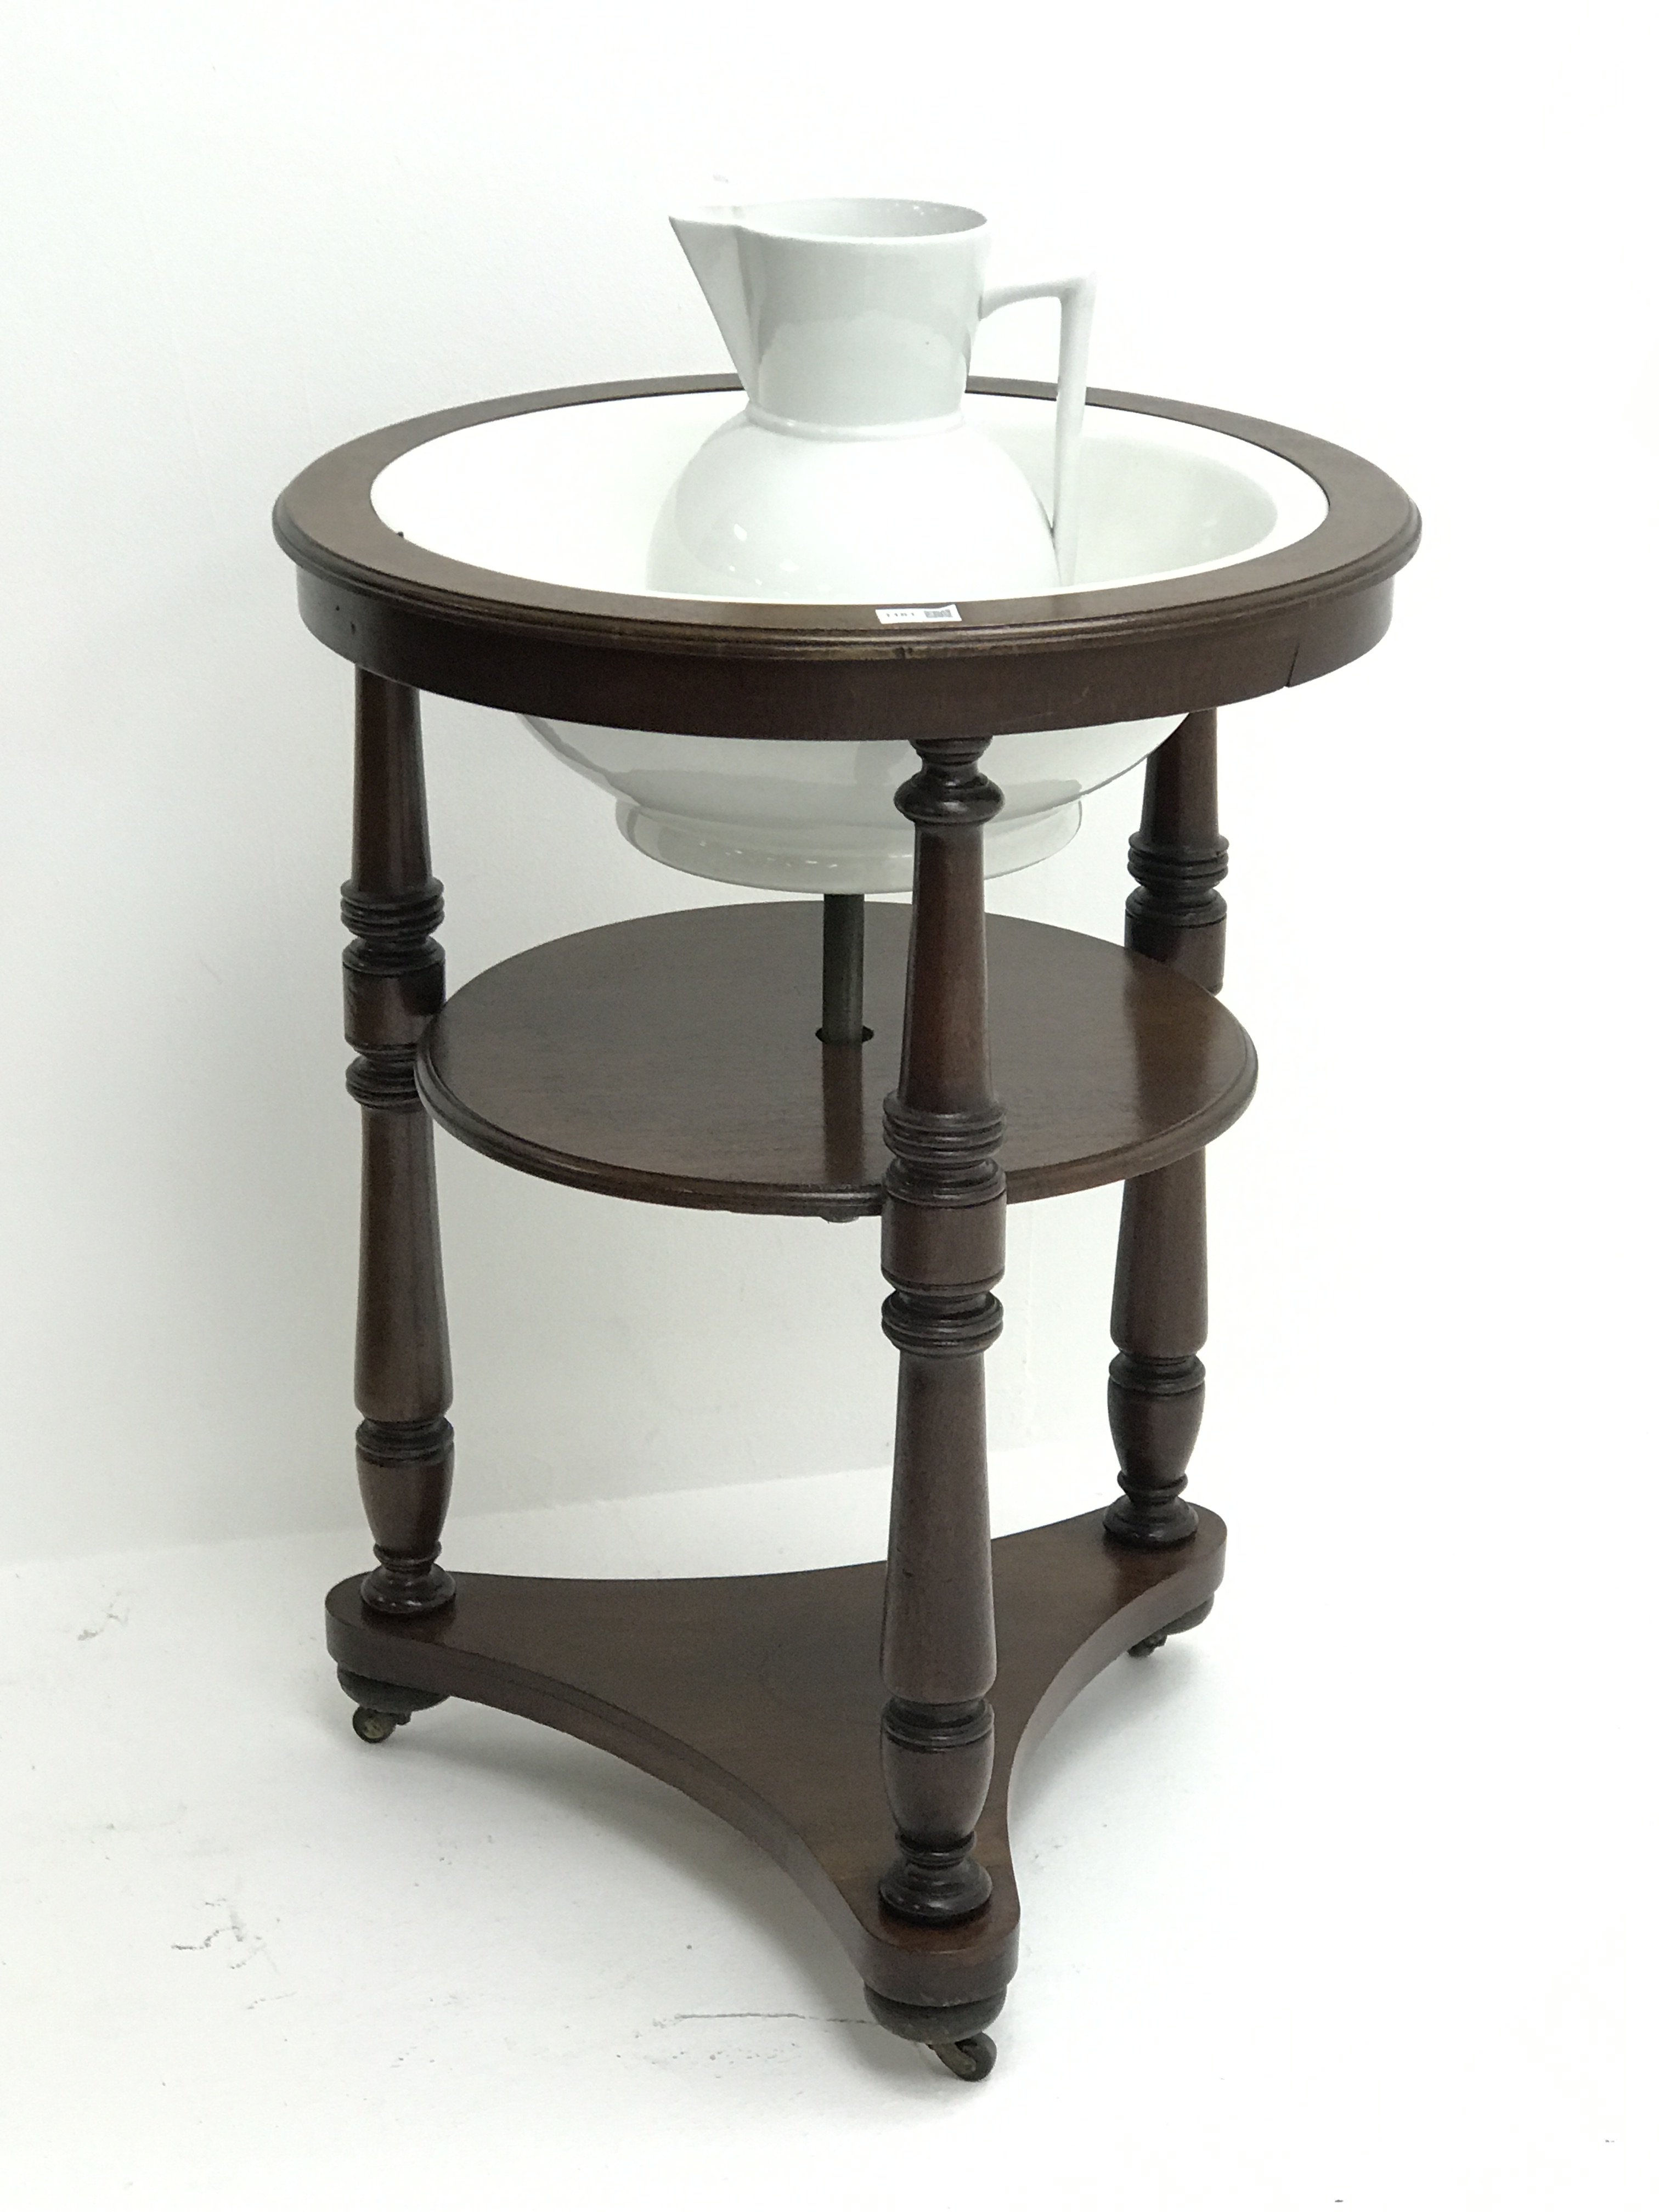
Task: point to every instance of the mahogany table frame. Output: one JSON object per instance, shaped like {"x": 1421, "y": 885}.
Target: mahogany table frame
{"x": 842, "y": 1718}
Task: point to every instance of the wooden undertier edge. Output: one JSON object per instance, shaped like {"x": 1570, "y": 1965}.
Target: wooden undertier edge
{"x": 761, "y": 1697}
{"x": 600, "y": 1060}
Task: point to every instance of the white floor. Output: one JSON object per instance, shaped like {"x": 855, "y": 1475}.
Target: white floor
{"x": 1302, "y": 1929}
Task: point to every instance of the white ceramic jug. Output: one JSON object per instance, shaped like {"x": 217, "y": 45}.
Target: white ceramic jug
{"x": 851, "y": 476}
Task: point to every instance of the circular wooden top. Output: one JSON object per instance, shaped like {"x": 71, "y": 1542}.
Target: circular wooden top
{"x": 763, "y": 669}
{"x": 675, "y": 1059}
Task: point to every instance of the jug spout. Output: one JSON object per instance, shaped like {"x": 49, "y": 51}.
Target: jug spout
{"x": 710, "y": 238}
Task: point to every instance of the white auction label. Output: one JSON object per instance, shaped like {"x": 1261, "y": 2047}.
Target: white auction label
{"x": 947, "y": 613}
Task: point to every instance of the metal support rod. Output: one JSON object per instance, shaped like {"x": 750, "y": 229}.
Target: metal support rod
{"x": 843, "y": 969}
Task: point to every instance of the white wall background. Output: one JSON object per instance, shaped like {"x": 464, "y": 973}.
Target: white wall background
{"x": 234, "y": 238}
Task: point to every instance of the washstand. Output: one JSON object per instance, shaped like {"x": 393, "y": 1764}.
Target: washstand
{"x": 923, "y": 1062}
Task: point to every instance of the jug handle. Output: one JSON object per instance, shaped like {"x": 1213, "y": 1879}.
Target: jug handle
{"x": 1076, "y": 295}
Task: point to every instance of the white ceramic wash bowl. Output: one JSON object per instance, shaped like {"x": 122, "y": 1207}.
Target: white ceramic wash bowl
{"x": 571, "y": 496}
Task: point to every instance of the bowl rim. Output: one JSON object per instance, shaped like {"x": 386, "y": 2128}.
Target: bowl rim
{"x": 1297, "y": 499}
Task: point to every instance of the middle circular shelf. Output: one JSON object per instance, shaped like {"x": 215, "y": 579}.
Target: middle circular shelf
{"x": 675, "y": 1059}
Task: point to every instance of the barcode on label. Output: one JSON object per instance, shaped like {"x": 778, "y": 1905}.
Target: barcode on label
{"x": 946, "y": 613}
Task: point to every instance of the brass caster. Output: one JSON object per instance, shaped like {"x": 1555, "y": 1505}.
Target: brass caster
{"x": 954, "y": 2031}
{"x": 382, "y": 1706}
{"x": 1151, "y": 1644}
{"x": 971, "y": 2059}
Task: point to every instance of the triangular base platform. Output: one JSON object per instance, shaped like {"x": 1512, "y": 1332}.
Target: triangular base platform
{"x": 759, "y": 1696}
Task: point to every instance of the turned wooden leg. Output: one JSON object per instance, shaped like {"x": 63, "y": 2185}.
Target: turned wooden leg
{"x": 1155, "y": 1394}
{"x": 394, "y": 983}
{"x": 943, "y": 1224}
{"x": 1155, "y": 1390}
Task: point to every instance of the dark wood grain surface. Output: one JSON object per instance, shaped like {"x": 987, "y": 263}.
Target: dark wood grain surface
{"x": 749, "y": 668}
{"x": 676, "y": 1059}
{"x": 760, "y": 1696}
